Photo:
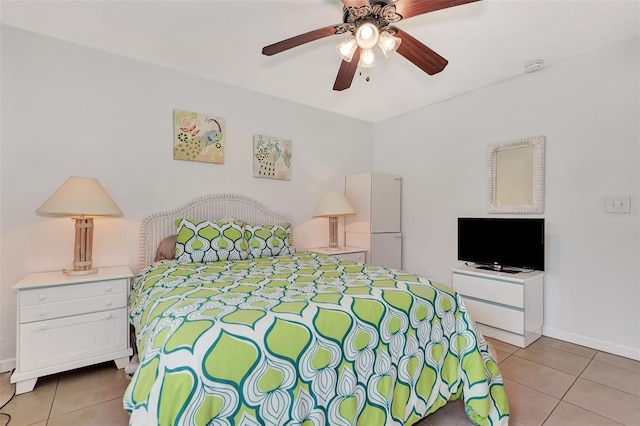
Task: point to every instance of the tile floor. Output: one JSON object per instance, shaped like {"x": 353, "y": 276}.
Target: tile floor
{"x": 551, "y": 382}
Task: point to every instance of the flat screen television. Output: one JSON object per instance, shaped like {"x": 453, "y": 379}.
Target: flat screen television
{"x": 502, "y": 243}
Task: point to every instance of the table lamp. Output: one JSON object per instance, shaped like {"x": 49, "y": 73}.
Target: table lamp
{"x": 333, "y": 205}
{"x": 81, "y": 198}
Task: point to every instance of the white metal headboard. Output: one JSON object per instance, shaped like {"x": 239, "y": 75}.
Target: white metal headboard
{"x": 158, "y": 226}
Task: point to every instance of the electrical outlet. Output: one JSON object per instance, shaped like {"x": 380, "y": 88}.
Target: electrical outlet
{"x": 617, "y": 204}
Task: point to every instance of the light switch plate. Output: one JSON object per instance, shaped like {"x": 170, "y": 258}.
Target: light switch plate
{"x": 617, "y": 204}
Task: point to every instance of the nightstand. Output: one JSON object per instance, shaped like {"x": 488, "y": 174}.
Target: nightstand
{"x": 355, "y": 254}
{"x": 66, "y": 322}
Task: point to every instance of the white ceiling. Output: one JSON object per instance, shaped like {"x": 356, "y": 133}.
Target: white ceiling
{"x": 485, "y": 42}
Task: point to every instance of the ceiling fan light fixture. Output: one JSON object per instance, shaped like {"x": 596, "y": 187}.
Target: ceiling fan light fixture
{"x": 370, "y": 22}
{"x": 367, "y": 35}
{"x": 388, "y": 43}
{"x": 367, "y": 58}
{"x": 347, "y": 48}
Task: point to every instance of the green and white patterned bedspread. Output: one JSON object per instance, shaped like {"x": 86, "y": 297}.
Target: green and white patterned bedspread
{"x": 304, "y": 339}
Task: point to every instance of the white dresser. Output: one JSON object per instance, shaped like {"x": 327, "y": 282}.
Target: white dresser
{"x": 67, "y": 322}
{"x": 507, "y": 307}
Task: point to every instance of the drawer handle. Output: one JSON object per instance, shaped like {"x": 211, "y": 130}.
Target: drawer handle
{"x": 108, "y": 289}
{"x": 43, "y": 327}
{"x": 109, "y": 316}
{"x": 42, "y": 297}
{"x": 109, "y": 303}
{"x": 43, "y": 313}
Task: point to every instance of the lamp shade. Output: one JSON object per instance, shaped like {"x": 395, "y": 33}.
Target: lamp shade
{"x": 333, "y": 203}
{"x": 388, "y": 43}
{"x": 347, "y": 48}
{"x": 367, "y": 58}
{"x": 80, "y": 196}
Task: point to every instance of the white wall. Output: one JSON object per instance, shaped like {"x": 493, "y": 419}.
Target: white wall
{"x": 588, "y": 109}
{"x": 70, "y": 110}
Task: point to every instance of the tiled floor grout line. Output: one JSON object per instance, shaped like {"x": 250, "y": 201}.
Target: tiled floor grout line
{"x": 569, "y": 352}
{"x": 572, "y": 384}
{"x": 551, "y": 412}
{"x": 561, "y": 399}
{"x": 562, "y": 350}
{"x": 514, "y": 353}
{"x": 536, "y": 390}
{"x": 548, "y": 366}
{"x": 544, "y": 393}
{"x": 586, "y": 409}
{"x": 618, "y": 365}
{"x": 53, "y": 400}
{"x": 79, "y": 409}
{"x": 607, "y": 386}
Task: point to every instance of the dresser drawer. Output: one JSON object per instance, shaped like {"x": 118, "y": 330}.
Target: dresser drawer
{"x": 496, "y": 316}
{"x": 71, "y": 307}
{"x": 63, "y": 340}
{"x": 52, "y": 294}
{"x": 498, "y": 291}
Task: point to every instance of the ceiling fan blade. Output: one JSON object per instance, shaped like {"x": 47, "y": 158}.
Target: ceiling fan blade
{"x": 346, "y": 72}
{"x": 423, "y": 57}
{"x": 298, "y": 40}
{"x": 355, "y": 3}
{"x": 409, "y": 8}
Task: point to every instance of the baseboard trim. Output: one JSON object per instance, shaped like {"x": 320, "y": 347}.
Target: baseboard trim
{"x": 601, "y": 345}
{"x": 7, "y": 365}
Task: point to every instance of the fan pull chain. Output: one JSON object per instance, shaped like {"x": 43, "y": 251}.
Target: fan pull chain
{"x": 365, "y": 74}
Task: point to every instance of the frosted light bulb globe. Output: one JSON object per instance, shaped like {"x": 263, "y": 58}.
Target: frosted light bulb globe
{"x": 367, "y": 35}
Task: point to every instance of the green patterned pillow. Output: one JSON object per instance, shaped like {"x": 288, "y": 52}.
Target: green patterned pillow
{"x": 205, "y": 241}
{"x": 268, "y": 240}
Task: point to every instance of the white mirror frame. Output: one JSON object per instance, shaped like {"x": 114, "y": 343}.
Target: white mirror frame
{"x": 538, "y": 144}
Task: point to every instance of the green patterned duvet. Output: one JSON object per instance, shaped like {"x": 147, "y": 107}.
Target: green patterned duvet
{"x": 303, "y": 339}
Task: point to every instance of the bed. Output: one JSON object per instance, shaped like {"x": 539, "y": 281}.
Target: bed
{"x": 286, "y": 337}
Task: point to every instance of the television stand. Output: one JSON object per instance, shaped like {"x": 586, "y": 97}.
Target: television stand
{"x": 507, "y": 307}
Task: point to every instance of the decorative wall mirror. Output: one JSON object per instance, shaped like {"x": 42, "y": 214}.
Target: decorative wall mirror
{"x": 516, "y": 176}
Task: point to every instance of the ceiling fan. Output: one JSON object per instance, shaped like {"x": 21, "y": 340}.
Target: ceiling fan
{"x": 370, "y": 22}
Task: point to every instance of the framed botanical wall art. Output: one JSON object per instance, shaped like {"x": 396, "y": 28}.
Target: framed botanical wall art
{"x": 271, "y": 157}
{"x": 198, "y": 137}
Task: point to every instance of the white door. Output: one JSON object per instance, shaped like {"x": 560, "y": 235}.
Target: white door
{"x": 358, "y": 192}
{"x": 385, "y": 203}
{"x": 386, "y": 250}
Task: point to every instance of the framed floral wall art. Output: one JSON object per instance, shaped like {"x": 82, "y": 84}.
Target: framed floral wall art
{"x": 271, "y": 157}
{"x": 198, "y": 137}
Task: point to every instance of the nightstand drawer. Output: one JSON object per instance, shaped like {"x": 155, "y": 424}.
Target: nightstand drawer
{"x": 71, "y": 307}
{"x": 355, "y": 257}
{"x": 496, "y": 316}
{"x": 506, "y": 293}
{"x": 64, "y": 340}
{"x": 353, "y": 254}
{"x": 52, "y": 294}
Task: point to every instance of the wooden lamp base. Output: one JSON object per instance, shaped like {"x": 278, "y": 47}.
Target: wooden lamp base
{"x": 83, "y": 247}
{"x": 74, "y": 272}
{"x": 333, "y": 233}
